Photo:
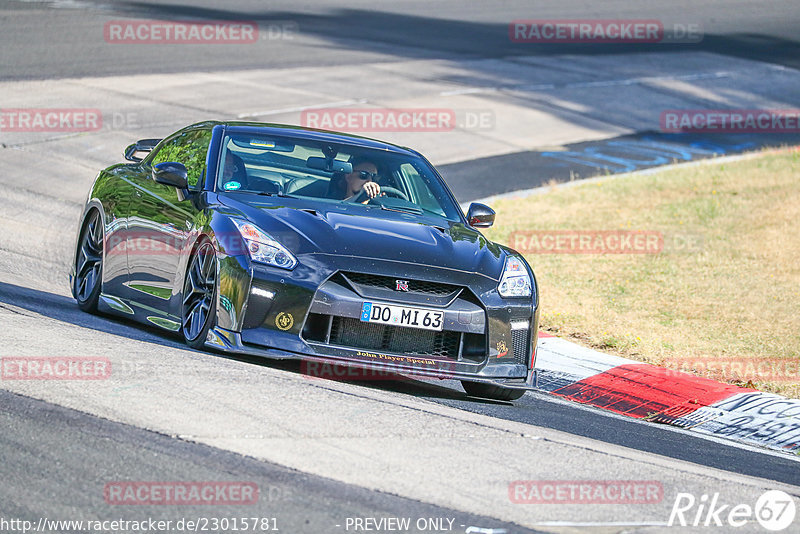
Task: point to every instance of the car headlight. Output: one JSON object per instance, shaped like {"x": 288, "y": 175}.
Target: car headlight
{"x": 515, "y": 282}
{"x": 263, "y": 248}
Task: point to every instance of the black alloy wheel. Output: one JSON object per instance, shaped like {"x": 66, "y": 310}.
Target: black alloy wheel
{"x": 89, "y": 264}
{"x": 199, "y": 295}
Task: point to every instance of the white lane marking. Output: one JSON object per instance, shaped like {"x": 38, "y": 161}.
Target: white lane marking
{"x": 67, "y": 4}
{"x": 650, "y": 79}
{"x": 597, "y": 83}
{"x": 301, "y": 108}
{"x": 601, "y": 524}
{"x": 469, "y": 91}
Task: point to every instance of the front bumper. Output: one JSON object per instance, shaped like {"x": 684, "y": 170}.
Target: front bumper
{"x": 313, "y": 313}
{"x": 231, "y": 342}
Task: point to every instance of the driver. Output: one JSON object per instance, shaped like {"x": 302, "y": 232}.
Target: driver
{"x": 363, "y": 177}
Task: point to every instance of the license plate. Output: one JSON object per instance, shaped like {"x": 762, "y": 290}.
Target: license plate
{"x": 373, "y": 312}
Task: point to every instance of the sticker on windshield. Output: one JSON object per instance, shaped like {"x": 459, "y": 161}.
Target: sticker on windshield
{"x": 231, "y": 186}
{"x": 262, "y": 142}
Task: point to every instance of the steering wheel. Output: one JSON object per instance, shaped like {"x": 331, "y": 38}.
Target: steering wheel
{"x": 391, "y": 191}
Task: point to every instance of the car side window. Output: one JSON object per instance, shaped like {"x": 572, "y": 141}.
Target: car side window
{"x": 420, "y": 192}
{"x": 189, "y": 148}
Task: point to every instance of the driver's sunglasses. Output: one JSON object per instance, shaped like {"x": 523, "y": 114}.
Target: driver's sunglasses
{"x": 366, "y": 175}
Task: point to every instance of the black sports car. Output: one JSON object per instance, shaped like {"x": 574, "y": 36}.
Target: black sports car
{"x": 264, "y": 239}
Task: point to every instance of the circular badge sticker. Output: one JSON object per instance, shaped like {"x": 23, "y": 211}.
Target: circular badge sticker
{"x": 231, "y": 186}
{"x": 284, "y": 321}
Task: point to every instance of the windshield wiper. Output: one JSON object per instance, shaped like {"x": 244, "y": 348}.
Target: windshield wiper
{"x": 402, "y": 209}
{"x": 273, "y": 194}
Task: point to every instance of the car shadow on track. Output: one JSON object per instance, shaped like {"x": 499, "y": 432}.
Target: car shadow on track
{"x": 62, "y": 308}
{"x": 65, "y": 309}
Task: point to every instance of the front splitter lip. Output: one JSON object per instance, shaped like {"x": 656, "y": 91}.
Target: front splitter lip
{"x": 231, "y": 342}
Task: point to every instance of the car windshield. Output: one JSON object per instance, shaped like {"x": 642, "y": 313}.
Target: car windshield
{"x": 332, "y": 173}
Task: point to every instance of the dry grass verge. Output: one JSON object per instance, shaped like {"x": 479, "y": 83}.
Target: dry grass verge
{"x": 722, "y": 298}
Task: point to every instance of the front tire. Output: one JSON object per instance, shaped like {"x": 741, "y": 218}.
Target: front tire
{"x": 89, "y": 264}
{"x": 490, "y": 391}
{"x": 198, "y": 313}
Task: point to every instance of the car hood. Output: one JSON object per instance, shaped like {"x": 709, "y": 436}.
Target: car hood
{"x": 352, "y": 230}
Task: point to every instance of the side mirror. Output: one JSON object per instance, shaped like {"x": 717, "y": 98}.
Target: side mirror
{"x": 480, "y": 215}
{"x": 171, "y": 173}
{"x": 142, "y": 145}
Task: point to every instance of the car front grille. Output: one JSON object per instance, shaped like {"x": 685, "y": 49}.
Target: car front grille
{"x": 354, "y": 333}
{"x": 372, "y": 285}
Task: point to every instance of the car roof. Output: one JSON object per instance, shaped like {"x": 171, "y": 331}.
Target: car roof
{"x": 311, "y": 134}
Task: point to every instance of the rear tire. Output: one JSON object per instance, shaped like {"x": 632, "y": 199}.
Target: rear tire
{"x": 89, "y": 264}
{"x": 490, "y": 391}
{"x": 199, "y": 305}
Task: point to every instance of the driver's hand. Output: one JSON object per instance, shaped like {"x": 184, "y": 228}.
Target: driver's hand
{"x": 372, "y": 189}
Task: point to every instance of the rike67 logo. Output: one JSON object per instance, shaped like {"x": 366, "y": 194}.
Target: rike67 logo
{"x": 774, "y": 511}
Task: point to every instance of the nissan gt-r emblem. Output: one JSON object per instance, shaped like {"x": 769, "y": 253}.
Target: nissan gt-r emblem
{"x": 402, "y": 285}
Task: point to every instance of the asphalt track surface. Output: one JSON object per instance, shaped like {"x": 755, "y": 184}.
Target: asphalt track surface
{"x": 54, "y": 457}
{"x": 72, "y": 454}
{"x": 58, "y": 460}
{"x": 539, "y": 409}
{"x": 39, "y": 42}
